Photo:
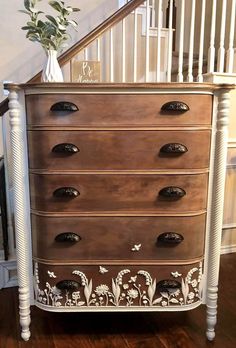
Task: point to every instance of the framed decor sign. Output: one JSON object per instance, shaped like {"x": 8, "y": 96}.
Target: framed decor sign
{"x": 87, "y": 71}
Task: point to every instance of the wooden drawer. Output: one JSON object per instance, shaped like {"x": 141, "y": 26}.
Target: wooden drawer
{"x": 118, "y": 110}
{"x": 114, "y": 238}
{"x": 102, "y": 285}
{"x": 117, "y": 193}
{"x": 104, "y": 150}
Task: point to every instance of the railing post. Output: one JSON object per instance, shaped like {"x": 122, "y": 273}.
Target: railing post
{"x": 201, "y": 43}
{"x": 211, "y": 50}
{"x": 230, "y": 51}
{"x": 191, "y": 43}
{"x": 181, "y": 43}
{"x": 221, "y": 50}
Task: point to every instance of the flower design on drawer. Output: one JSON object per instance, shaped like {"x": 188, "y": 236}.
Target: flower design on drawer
{"x": 126, "y": 289}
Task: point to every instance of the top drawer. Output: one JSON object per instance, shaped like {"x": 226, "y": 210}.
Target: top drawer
{"x": 99, "y": 110}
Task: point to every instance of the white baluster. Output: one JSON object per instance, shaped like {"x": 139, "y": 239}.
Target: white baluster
{"x": 111, "y": 56}
{"x": 159, "y": 24}
{"x": 153, "y": 14}
{"x": 147, "y": 41}
{"x": 230, "y": 51}
{"x": 180, "y": 77}
{"x": 201, "y": 43}
{"x": 86, "y": 53}
{"x": 98, "y": 49}
{"x": 211, "y": 50}
{"x": 123, "y": 50}
{"x": 221, "y": 50}
{"x": 135, "y": 44}
{"x": 170, "y": 41}
{"x": 191, "y": 43}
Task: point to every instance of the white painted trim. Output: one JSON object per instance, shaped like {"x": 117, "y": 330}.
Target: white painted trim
{"x": 6, "y": 280}
{"x": 230, "y": 226}
{"x": 120, "y": 309}
{"x": 131, "y": 90}
{"x": 217, "y": 77}
{"x": 232, "y": 143}
{"x": 228, "y": 249}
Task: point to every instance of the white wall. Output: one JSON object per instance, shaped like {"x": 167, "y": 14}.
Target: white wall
{"x": 21, "y": 59}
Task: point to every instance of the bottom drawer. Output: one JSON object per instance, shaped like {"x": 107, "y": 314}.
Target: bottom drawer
{"x": 87, "y": 287}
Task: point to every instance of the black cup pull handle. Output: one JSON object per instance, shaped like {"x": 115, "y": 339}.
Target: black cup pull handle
{"x": 168, "y": 285}
{"x": 172, "y": 192}
{"x": 175, "y": 107}
{"x": 66, "y": 148}
{"x": 64, "y": 106}
{"x": 69, "y": 192}
{"x": 68, "y": 237}
{"x": 70, "y": 285}
{"x": 174, "y": 148}
{"x": 170, "y": 238}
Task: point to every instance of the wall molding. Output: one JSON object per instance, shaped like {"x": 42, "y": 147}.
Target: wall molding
{"x": 228, "y": 249}
{"x": 6, "y": 278}
{"x": 230, "y": 226}
{"x": 232, "y": 143}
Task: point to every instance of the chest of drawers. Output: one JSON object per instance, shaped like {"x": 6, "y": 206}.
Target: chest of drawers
{"x": 125, "y": 185}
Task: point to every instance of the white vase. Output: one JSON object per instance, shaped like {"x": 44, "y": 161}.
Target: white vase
{"x": 52, "y": 71}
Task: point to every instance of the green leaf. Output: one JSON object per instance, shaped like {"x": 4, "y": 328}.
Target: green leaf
{"x": 52, "y": 19}
{"x": 27, "y": 4}
{"x": 72, "y": 22}
{"x": 23, "y": 11}
{"x": 56, "y": 5}
{"x": 75, "y": 9}
{"x": 26, "y": 28}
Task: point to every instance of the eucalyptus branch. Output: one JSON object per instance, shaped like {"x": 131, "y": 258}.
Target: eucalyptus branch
{"x": 51, "y": 32}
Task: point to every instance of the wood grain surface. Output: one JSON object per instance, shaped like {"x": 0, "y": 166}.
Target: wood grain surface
{"x": 118, "y": 192}
{"x": 112, "y": 238}
{"x": 107, "y": 150}
{"x": 116, "y": 110}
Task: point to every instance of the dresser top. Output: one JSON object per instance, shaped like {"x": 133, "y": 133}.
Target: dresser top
{"x": 117, "y": 87}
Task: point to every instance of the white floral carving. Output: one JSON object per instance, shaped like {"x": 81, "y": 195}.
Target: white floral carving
{"x": 136, "y": 247}
{"x": 134, "y": 290}
{"x": 176, "y": 274}
{"x": 51, "y": 274}
{"x": 102, "y": 270}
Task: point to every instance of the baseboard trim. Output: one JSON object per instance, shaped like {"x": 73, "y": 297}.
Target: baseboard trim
{"x": 7, "y": 278}
{"x": 228, "y": 249}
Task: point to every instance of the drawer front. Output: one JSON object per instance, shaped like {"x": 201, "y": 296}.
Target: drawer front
{"x": 114, "y": 238}
{"x": 118, "y": 193}
{"x": 125, "y": 286}
{"x": 96, "y": 150}
{"x": 116, "y": 110}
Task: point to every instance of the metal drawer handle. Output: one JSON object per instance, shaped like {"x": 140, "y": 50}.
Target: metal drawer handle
{"x": 68, "y": 285}
{"x": 170, "y": 238}
{"x": 172, "y": 192}
{"x": 64, "y": 106}
{"x": 175, "y": 148}
{"x": 175, "y": 106}
{"x": 70, "y": 237}
{"x": 69, "y": 192}
{"x": 65, "y": 148}
{"x": 168, "y": 285}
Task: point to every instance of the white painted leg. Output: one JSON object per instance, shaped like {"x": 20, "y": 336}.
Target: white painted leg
{"x": 22, "y": 228}
{"x": 24, "y": 311}
{"x": 220, "y": 157}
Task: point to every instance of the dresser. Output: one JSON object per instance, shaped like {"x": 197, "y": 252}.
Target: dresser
{"x": 118, "y": 193}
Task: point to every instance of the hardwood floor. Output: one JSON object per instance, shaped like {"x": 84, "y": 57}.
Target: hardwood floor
{"x": 130, "y": 330}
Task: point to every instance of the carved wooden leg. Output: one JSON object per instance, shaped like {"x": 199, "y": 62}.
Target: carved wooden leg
{"x": 22, "y": 232}
{"x": 217, "y": 207}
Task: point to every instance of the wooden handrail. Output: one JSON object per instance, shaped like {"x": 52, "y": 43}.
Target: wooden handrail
{"x": 85, "y": 41}
{"x": 4, "y": 107}
{"x": 94, "y": 34}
